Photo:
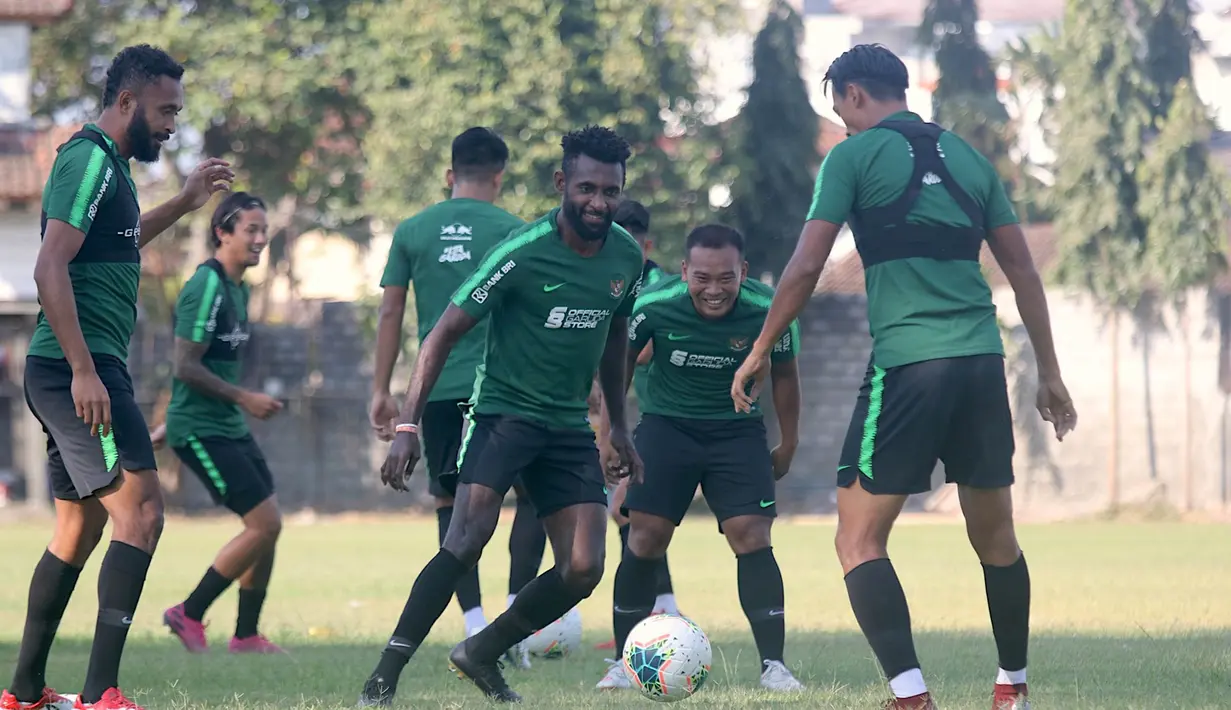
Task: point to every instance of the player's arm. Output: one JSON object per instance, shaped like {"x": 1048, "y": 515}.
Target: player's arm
{"x": 211, "y": 175}
{"x": 787, "y": 392}
{"x": 388, "y": 336}
{"x": 190, "y": 370}
{"x": 453, "y": 324}
{"x": 612, "y": 377}
{"x": 1008, "y": 245}
{"x": 60, "y": 245}
{"x": 832, "y": 201}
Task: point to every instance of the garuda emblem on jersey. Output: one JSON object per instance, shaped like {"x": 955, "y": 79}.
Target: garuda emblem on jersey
{"x": 739, "y": 344}
{"x": 617, "y": 288}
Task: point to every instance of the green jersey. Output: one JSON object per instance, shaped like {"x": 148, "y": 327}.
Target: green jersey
{"x": 920, "y": 307}
{"x": 651, "y": 275}
{"x": 90, "y": 188}
{"x": 551, "y": 311}
{"x": 213, "y": 310}
{"x": 695, "y": 358}
{"x": 437, "y": 249}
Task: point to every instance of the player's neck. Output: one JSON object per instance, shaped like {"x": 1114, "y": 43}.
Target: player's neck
{"x": 112, "y": 124}
{"x": 573, "y": 240}
{"x": 234, "y": 269}
{"x": 468, "y": 191}
{"x": 884, "y": 110}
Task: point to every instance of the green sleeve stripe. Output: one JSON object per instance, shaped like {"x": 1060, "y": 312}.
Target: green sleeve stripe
{"x": 760, "y": 300}
{"x": 794, "y": 331}
{"x": 207, "y": 305}
{"x": 89, "y": 186}
{"x": 497, "y": 258}
{"x": 660, "y": 295}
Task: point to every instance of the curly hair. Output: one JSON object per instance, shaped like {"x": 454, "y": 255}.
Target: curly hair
{"x": 137, "y": 67}
{"x": 598, "y": 142}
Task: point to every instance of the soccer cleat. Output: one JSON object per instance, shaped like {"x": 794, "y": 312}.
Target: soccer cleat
{"x": 915, "y": 702}
{"x": 485, "y": 675}
{"x": 112, "y": 699}
{"x": 377, "y": 693}
{"x": 605, "y": 645}
{"x": 49, "y": 700}
{"x": 777, "y": 677}
{"x": 254, "y": 644}
{"x": 190, "y": 633}
{"x": 616, "y": 678}
{"x": 518, "y": 657}
{"x": 1010, "y": 697}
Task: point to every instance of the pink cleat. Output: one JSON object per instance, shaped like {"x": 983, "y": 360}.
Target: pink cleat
{"x": 254, "y": 644}
{"x": 190, "y": 633}
{"x": 113, "y": 699}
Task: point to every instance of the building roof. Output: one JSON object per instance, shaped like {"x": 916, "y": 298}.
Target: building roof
{"x": 34, "y": 10}
{"x": 911, "y": 11}
{"x": 26, "y": 156}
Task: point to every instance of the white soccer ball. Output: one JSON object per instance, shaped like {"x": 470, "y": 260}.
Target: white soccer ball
{"x": 558, "y": 639}
{"x": 667, "y": 657}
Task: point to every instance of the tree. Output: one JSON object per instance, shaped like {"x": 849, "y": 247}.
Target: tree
{"x": 533, "y": 70}
{"x": 776, "y": 134}
{"x": 1170, "y": 41}
{"x": 1034, "y": 63}
{"x": 965, "y": 100}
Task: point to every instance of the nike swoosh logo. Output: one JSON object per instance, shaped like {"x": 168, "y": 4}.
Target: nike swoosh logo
{"x": 548, "y": 288}
{"x": 399, "y": 644}
{"x": 673, "y": 336}
{"x": 777, "y": 612}
{"x": 127, "y": 621}
{"x": 843, "y": 468}
{"x": 766, "y": 503}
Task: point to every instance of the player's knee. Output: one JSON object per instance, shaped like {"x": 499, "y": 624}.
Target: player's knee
{"x": 750, "y": 536}
{"x": 139, "y": 520}
{"x": 265, "y": 520}
{"x": 995, "y": 544}
{"x": 467, "y": 540}
{"x": 648, "y": 542}
{"x": 855, "y": 547}
{"x": 582, "y": 574}
{"x": 77, "y": 534}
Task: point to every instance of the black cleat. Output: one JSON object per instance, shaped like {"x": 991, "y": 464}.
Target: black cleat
{"x": 377, "y": 693}
{"x": 485, "y": 675}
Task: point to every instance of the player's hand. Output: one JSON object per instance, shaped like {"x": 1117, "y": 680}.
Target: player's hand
{"x": 158, "y": 437}
{"x": 782, "y": 455}
{"x": 404, "y": 453}
{"x": 260, "y": 405}
{"x": 755, "y": 370}
{"x": 623, "y": 461}
{"x": 211, "y": 175}
{"x": 617, "y": 501}
{"x": 1056, "y": 406}
{"x": 381, "y": 414}
{"x": 92, "y": 402}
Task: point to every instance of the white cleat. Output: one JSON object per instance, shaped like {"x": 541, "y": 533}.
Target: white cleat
{"x": 616, "y": 678}
{"x": 778, "y": 678}
{"x": 518, "y": 657}
{"x": 473, "y": 631}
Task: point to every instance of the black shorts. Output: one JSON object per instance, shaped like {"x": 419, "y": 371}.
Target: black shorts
{"x": 444, "y": 425}
{"x": 728, "y": 458}
{"x": 80, "y": 464}
{"x": 558, "y": 468}
{"x": 233, "y": 471}
{"x": 955, "y": 410}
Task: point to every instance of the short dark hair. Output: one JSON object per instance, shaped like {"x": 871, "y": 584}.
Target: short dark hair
{"x": 633, "y": 217}
{"x": 136, "y": 67}
{"x": 479, "y": 152}
{"x": 879, "y": 71}
{"x": 598, "y": 142}
{"x": 226, "y": 214}
{"x": 713, "y": 236}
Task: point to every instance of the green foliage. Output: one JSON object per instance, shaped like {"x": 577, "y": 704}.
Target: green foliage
{"x": 1035, "y": 63}
{"x": 1170, "y": 41}
{"x": 1105, "y": 115}
{"x": 965, "y": 100}
{"x": 776, "y": 134}
{"x": 1184, "y": 200}
{"x": 534, "y": 70}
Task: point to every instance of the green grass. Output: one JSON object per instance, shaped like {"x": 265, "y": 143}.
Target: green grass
{"x": 1125, "y": 616}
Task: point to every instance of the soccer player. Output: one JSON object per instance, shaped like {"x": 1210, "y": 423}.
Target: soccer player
{"x": 559, "y": 291}
{"x": 700, "y": 325}
{"x": 920, "y": 202}
{"x": 206, "y": 428}
{"x": 437, "y": 249}
{"x": 635, "y": 219}
{"x": 100, "y": 459}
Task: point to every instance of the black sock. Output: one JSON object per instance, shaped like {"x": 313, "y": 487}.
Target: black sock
{"x": 542, "y": 601}
{"x": 624, "y": 540}
{"x": 763, "y": 599}
{"x": 880, "y": 608}
{"x": 429, "y": 597}
{"x": 51, "y": 587}
{"x": 633, "y": 596}
{"x": 663, "y": 579}
{"x": 469, "y": 595}
{"x": 250, "y": 603}
{"x": 1008, "y": 601}
{"x": 211, "y": 586}
{"x": 120, "y": 581}
{"x": 527, "y": 542}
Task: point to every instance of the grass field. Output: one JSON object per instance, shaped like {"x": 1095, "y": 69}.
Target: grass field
{"x": 1125, "y": 616}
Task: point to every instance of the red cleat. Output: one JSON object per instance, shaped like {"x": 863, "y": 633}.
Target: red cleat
{"x": 112, "y": 699}
{"x": 50, "y": 700}
{"x": 253, "y": 644}
{"x": 191, "y": 633}
{"x": 1010, "y": 697}
{"x": 915, "y": 702}
{"x": 605, "y": 646}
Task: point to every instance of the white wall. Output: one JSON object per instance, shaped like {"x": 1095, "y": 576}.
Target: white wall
{"x": 19, "y": 242}
{"x": 14, "y": 73}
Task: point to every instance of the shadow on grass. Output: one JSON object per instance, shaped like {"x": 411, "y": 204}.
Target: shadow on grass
{"x": 1078, "y": 672}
